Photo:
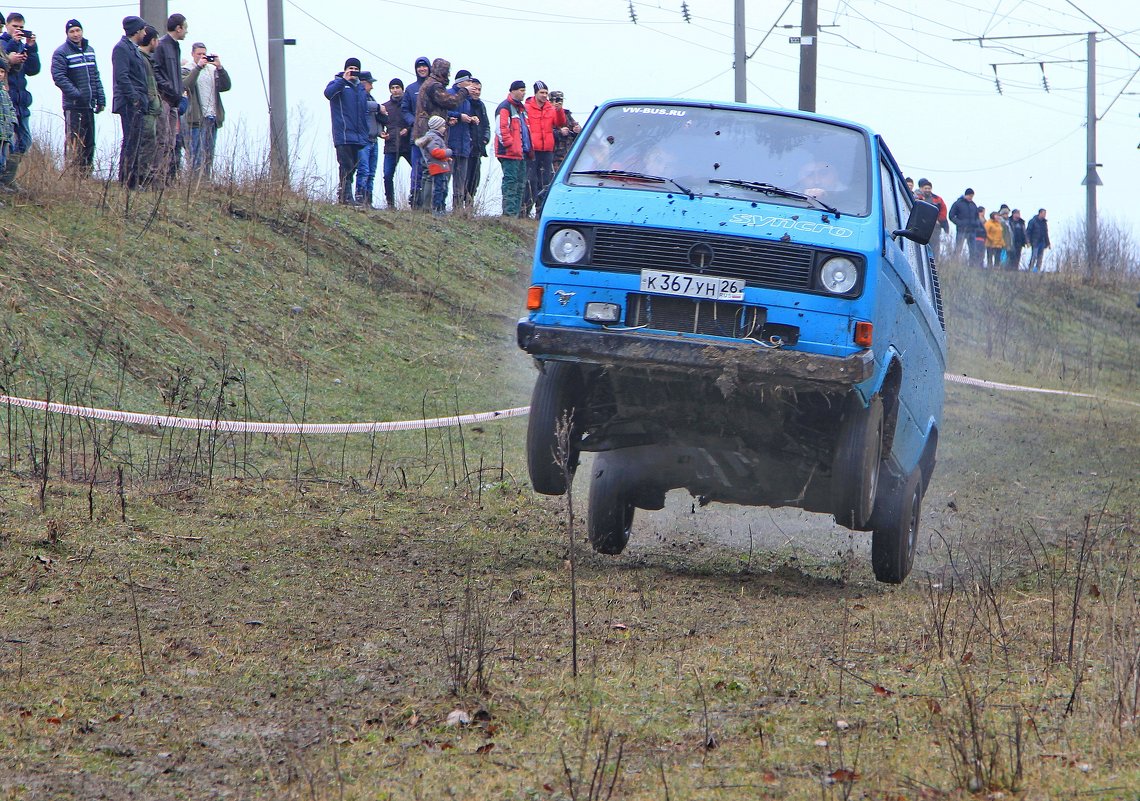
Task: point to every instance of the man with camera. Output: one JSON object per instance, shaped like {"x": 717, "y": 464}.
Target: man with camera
{"x": 348, "y": 103}
{"x": 23, "y": 62}
{"x": 74, "y": 71}
{"x": 204, "y": 79}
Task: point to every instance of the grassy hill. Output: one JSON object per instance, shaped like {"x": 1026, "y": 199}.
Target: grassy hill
{"x": 317, "y": 625}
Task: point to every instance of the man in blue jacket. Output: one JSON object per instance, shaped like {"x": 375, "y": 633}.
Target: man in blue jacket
{"x": 74, "y": 71}
{"x": 23, "y": 62}
{"x": 408, "y": 107}
{"x": 348, "y": 102}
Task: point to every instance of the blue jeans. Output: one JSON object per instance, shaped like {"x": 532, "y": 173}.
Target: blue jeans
{"x": 439, "y": 193}
{"x": 366, "y": 173}
{"x": 203, "y": 139}
{"x": 391, "y": 160}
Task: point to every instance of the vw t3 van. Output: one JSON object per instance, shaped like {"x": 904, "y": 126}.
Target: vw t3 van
{"x": 740, "y": 302}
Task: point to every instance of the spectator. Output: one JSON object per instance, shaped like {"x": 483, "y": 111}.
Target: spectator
{"x": 978, "y": 243}
{"x": 480, "y": 136}
{"x": 23, "y": 62}
{"x": 408, "y": 108}
{"x": 964, "y": 214}
{"x": 370, "y": 153}
{"x": 512, "y": 144}
{"x": 437, "y": 157}
{"x": 1006, "y": 235}
{"x": 995, "y": 241}
{"x": 349, "y": 106}
{"x": 397, "y": 143}
{"x": 543, "y": 117}
{"x": 926, "y": 192}
{"x": 74, "y": 71}
{"x": 152, "y": 169}
{"x": 168, "y": 75}
{"x": 434, "y": 100}
{"x": 564, "y": 141}
{"x": 1017, "y": 239}
{"x": 130, "y": 99}
{"x": 1037, "y": 234}
{"x": 7, "y": 120}
{"x": 204, "y": 79}
{"x": 459, "y": 141}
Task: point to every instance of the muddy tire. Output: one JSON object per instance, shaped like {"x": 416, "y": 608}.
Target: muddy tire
{"x": 609, "y": 519}
{"x": 557, "y": 391}
{"x": 894, "y": 537}
{"x": 856, "y": 464}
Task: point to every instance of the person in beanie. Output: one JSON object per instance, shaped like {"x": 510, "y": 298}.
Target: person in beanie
{"x": 348, "y": 103}
{"x": 964, "y": 214}
{"x": 397, "y": 143}
{"x": 23, "y": 62}
{"x": 437, "y": 157}
{"x": 512, "y": 144}
{"x": 74, "y": 71}
{"x": 434, "y": 99}
{"x": 564, "y": 137}
{"x": 129, "y": 100}
{"x": 543, "y": 118}
{"x": 408, "y": 109}
{"x": 369, "y": 154}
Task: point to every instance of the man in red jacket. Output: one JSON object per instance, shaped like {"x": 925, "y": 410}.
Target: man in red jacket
{"x": 543, "y": 117}
{"x": 512, "y": 145}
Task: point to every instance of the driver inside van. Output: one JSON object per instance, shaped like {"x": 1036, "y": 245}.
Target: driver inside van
{"x": 820, "y": 180}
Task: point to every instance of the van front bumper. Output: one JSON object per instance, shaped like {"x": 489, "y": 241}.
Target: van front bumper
{"x": 746, "y": 362}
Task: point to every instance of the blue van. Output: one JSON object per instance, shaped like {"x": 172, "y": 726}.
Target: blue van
{"x": 740, "y": 302}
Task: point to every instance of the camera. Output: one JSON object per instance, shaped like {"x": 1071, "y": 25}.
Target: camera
{"x": 211, "y": 58}
{"x": 26, "y": 34}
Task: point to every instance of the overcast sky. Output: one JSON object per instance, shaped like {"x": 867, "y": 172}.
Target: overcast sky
{"x": 892, "y": 65}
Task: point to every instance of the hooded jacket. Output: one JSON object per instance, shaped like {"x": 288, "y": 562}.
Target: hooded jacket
{"x": 74, "y": 71}
{"x": 348, "y": 103}
{"x": 435, "y": 151}
{"x": 542, "y": 121}
{"x": 433, "y": 99}
{"x": 412, "y": 92}
{"x": 512, "y": 138}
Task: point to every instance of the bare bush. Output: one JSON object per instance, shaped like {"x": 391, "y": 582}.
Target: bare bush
{"x": 1117, "y": 257}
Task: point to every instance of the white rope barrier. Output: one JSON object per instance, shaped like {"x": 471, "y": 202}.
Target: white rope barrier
{"x": 978, "y": 382}
{"x": 200, "y": 424}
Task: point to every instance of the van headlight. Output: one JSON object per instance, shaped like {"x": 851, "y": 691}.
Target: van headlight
{"x": 568, "y": 246}
{"x": 838, "y": 275}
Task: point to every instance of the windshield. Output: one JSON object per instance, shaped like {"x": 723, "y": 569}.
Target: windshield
{"x": 727, "y": 153}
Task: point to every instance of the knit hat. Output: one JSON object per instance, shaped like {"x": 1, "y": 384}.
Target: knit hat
{"x": 395, "y": 82}
{"x": 556, "y": 95}
{"x": 518, "y": 85}
{"x": 72, "y": 23}
{"x": 423, "y": 61}
{"x": 365, "y": 77}
{"x": 352, "y": 62}
{"x": 132, "y": 25}
{"x": 923, "y": 182}
{"x": 968, "y": 192}
{"x": 540, "y": 85}
{"x": 436, "y": 122}
{"x": 459, "y": 76}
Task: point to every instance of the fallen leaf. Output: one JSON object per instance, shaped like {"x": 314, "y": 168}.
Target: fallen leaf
{"x": 115, "y": 718}
{"x": 843, "y": 775}
{"x": 548, "y": 787}
{"x": 485, "y": 748}
{"x": 883, "y": 691}
{"x": 933, "y": 705}
{"x": 769, "y": 777}
{"x": 447, "y": 746}
{"x": 967, "y": 657}
{"x": 414, "y": 720}
{"x": 55, "y": 721}
{"x": 1094, "y": 590}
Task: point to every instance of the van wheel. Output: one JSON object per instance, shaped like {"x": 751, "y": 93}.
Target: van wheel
{"x": 557, "y": 393}
{"x": 609, "y": 519}
{"x": 855, "y": 466}
{"x": 895, "y": 534}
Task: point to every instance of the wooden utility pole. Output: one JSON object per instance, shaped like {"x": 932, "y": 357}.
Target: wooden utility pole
{"x": 809, "y": 49}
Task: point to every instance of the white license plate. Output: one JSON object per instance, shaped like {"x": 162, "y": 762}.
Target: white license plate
{"x": 709, "y": 287}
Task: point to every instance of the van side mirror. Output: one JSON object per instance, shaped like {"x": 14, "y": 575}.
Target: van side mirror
{"x": 920, "y": 226}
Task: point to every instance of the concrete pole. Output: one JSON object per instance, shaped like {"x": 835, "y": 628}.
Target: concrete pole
{"x": 809, "y": 48}
{"x": 278, "y": 110}
{"x": 155, "y": 12}
{"x": 740, "y": 58}
{"x": 1091, "y": 181}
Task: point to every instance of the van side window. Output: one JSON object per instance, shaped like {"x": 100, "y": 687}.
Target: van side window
{"x": 890, "y": 208}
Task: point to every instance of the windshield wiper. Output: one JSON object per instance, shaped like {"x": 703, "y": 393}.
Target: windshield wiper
{"x": 636, "y": 176}
{"x": 772, "y": 189}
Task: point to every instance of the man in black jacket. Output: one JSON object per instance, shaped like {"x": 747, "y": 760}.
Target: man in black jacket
{"x": 74, "y": 71}
{"x": 130, "y": 97}
{"x": 964, "y": 215}
{"x": 168, "y": 76}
